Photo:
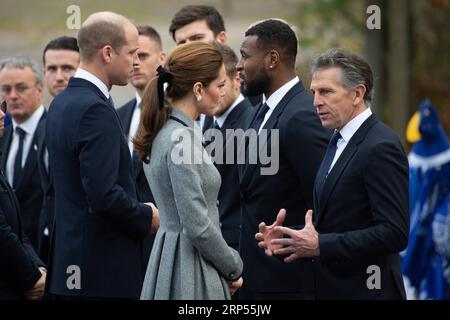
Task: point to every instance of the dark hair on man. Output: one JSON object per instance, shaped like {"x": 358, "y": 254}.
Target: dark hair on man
{"x": 94, "y": 36}
{"x": 276, "y": 34}
{"x": 191, "y": 13}
{"x": 151, "y": 33}
{"x": 355, "y": 70}
{"x": 61, "y": 43}
{"x": 230, "y": 58}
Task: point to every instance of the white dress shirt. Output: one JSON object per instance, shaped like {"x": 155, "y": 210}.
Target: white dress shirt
{"x": 275, "y": 99}
{"x": 347, "y": 133}
{"x": 134, "y": 122}
{"x": 223, "y": 117}
{"x": 29, "y": 126}
{"x": 86, "y": 75}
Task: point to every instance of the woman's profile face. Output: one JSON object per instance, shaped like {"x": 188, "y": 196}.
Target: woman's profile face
{"x": 213, "y": 94}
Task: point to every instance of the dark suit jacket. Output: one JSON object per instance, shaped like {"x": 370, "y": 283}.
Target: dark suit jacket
{"x": 363, "y": 217}
{"x": 302, "y": 143}
{"x": 18, "y": 261}
{"x": 144, "y": 194}
{"x": 229, "y": 195}
{"x": 28, "y": 191}
{"x": 47, "y": 214}
{"x": 99, "y": 226}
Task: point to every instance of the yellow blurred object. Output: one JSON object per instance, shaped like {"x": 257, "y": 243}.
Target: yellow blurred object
{"x": 412, "y": 131}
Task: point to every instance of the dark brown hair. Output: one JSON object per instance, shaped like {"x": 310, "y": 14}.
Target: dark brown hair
{"x": 150, "y": 33}
{"x": 191, "y": 13}
{"x": 61, "y": 43}
{"x": 230, "y": 58}
{"x": 188, "y": 64}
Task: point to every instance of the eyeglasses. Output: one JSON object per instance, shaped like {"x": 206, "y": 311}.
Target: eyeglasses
{"x": 3, "y": 107}
{"x": 21, "y": 88}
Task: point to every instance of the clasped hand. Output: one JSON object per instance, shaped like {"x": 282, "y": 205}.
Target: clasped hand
{"x": 294, "y": 244}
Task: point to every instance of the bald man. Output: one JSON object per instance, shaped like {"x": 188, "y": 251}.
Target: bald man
{"x": 99, "y": 225}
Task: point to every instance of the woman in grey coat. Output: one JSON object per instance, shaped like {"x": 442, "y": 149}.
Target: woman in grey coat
{"x": 190, "y": 259}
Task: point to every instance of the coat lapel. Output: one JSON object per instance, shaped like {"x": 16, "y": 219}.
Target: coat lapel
{"x": 128, "y": 116}
{"x": 271, "y": 123}
{"x": 32, "y": 158}
{"x": 340, "y": 165}
{"x": 6, "y": 143}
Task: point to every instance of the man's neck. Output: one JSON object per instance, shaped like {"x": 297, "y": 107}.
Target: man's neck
{"x": 100, "y": 73}
{"x": 278, "y": 81}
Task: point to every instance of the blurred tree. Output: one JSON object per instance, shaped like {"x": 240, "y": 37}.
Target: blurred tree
{"x": 409, "y": 54}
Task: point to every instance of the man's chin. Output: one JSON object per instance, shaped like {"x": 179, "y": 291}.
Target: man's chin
{"x": 250, "y": 91}
{"x": 139, "y": 85}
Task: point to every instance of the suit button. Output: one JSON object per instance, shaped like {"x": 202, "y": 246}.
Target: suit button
{"x": 220, "y": 224}
{"x": 217, "y": 203}
{"x": 313, "y": 260}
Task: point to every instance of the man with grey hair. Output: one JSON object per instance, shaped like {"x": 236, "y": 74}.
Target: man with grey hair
{"x": 21, "y": 87}
{"x": 96, "y": 245}
{"x": 360, "y": 196}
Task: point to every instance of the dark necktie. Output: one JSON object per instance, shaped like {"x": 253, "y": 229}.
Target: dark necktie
{"x": 326, "y": 163}
{"x": 211, "y": 137}
{"x": 216, "y": 125}
{"x": 18, "y": 160}
{"x": 260, "y": 117}
{"x": 111, "y": 101}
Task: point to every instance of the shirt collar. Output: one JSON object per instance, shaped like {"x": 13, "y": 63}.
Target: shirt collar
{"x": 29, "y": 125}
{"x": 86, "y": 75}
{"x": 353, "y": 125}
{"x": 138, "y": 99}
{"x": 276, "y": 97}
{"x": 223, "y": 117}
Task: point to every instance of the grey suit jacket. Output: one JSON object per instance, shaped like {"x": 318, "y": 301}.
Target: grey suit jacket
{"x": 190, "y": 259}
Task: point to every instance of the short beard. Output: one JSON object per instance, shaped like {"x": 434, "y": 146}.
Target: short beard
{"x": 257, "y": 86}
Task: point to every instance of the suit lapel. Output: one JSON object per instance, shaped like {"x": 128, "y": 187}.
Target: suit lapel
{"x": 128, "y": 117}
{"x": 232, "y": 119}
{"x": 340, "y": 165}
{"x": 270, "y": 124}
{"x": 32, "y": 158}
{"x": 43, "y": 171}
{"x": 6, "y": 143}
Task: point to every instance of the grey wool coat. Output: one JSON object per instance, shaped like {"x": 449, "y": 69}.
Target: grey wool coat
{"x": 190, "y": 259}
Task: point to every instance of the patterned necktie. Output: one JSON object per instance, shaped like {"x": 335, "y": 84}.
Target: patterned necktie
{"x": 18, "y": 160}
{"x": 326, "y": 163}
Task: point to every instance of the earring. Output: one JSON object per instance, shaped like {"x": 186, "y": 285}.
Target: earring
{"x": 199, "y": 98}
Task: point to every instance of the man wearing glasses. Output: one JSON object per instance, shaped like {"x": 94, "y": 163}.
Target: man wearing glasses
{"x": 21, "y": 87}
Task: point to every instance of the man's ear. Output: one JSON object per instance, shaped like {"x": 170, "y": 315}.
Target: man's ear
{"x": 106, "y": 53}
{"x": 360, "y": 92}
{"x": 222, "y": 37}
{"x": 162, "y": 57}
{"x": 40, "y": 89}
{"x": 273, "y": 59}
{"x": 237, "y": 79}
